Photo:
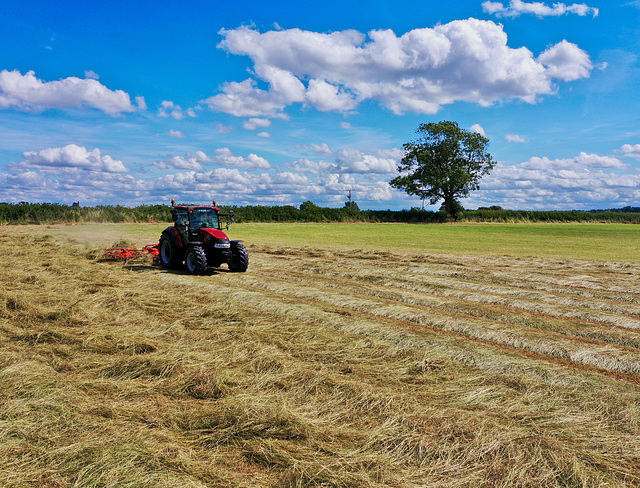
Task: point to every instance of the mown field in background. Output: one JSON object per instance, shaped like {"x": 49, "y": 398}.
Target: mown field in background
{"x": 603, "y": 242}
{"x": 347, "y": 356}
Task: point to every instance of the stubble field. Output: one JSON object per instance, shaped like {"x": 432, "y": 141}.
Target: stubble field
{"x": 347, "y": 356}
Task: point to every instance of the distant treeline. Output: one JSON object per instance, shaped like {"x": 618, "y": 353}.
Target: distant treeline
{"x": 312, "y": 213}
{"x": 49, "y": 213}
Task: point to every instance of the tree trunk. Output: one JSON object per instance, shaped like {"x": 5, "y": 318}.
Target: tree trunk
{"x": 450, "y": 207}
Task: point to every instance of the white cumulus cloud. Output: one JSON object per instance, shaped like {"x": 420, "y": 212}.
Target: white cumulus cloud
{"x": 632, "y": 151}
{"x": 422, "y": 70}
{"x": 255, "y": 123}
{"x": 70, "y": 156}
{"x": 349, "y": 161}
{"x": 566, "y": 61}
{"x": 26, "y": 92}
{"x": 353, "y": 161}
{"x": 244, "y": 99}
{"x": 478, "y": 129}
{"x": 307, "y": 165}
{"x": 582, "y": 182}
{"x": 327, "y": 97}
{"x": 189, "y": 161}
{"x": 225, "y": 157}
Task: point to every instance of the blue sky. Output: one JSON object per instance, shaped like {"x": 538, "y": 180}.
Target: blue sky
{"x": 278, "y": 103}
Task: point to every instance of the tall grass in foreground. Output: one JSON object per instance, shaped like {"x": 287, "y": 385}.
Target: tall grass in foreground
{"x": 307, "y": 371}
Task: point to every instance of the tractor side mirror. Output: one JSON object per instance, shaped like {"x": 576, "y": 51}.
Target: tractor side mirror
{"x": 233, "y": 219}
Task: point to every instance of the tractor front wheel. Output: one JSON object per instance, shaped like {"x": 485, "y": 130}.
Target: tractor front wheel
{"x": 239, "y": 258}
{"x": 196, "y": 260}
{"x": 169, "y": 252}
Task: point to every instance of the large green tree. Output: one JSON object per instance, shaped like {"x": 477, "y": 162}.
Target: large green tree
{"x": 445, "y": 163}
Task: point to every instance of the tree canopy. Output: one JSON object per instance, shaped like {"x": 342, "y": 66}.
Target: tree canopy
{"x": 445, "y": 163}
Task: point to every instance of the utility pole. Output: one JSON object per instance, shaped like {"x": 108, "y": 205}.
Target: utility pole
{"x": 351, "y": 205}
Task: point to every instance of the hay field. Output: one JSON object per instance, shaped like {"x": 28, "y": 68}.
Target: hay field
{"x": 361, "y": 365}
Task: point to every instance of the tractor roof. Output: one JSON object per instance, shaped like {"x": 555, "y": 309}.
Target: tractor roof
{"x": 192, "y": 207}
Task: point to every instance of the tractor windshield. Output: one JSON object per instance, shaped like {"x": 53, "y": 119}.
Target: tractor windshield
{"x": 204, "y": 218}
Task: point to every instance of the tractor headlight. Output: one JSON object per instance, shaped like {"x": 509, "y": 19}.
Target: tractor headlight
{"x": 222, "y": 245}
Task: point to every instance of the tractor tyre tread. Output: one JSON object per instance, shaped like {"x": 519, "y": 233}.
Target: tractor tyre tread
{"x": 170, "y": 254}
{"x": 196, "y": 260}
{"x": 239, "y": 259}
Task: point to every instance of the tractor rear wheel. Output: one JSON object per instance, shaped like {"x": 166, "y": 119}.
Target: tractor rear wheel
{"x": 239, "y": 258}
{"x": 170, "y": 253}
{"x": 196, "y": 260}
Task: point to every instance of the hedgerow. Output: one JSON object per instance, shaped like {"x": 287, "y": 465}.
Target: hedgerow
{"x": 47, "y": 213}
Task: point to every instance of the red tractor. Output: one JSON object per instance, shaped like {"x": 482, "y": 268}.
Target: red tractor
{"x": 196, "y": 238}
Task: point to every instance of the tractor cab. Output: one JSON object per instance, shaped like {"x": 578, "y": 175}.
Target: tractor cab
{"x": 204, "y": 218}
{"x": 190, "y": 220}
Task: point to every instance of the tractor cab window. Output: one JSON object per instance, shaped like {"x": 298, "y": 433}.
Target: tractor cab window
{"x": 203, "y": 218}
{"x": 181, "y": 219}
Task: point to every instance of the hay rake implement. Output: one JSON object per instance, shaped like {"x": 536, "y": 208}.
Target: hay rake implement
{"x": 127, "y": 254}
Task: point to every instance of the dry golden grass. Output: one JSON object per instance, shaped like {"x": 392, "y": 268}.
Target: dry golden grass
{"x": 316, "y": 368}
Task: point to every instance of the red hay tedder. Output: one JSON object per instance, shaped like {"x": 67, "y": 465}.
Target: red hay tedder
{"x": 126, "y": 254}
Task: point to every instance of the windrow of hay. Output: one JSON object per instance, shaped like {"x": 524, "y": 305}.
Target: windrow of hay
{"x": 456, "y": 318}
{"x": 313, "y": 369}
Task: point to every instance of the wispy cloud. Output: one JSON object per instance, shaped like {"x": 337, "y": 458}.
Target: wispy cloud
{"x": 169, "y": 109}
{"x": 176, "y": 133}
{"x": 518, "y": 7}
{"x": 515, "y": 138}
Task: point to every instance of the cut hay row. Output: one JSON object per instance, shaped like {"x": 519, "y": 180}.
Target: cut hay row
{"x": 566, "y": 302}
{"x": 286, "y": 376}
{"x": 618, "y": 281}
{"x": 457, "y": 316}
{"x": 495, "y": 301}
{"x": 428, "y": 272}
